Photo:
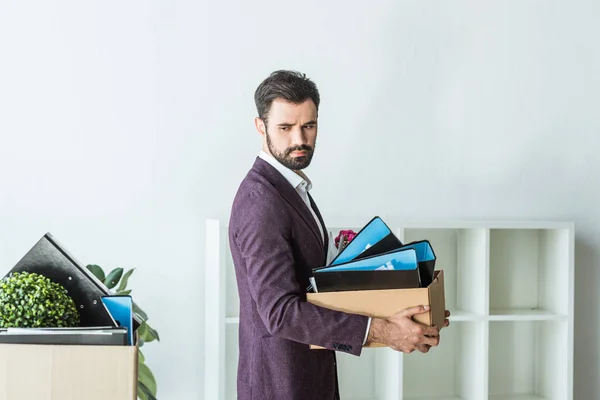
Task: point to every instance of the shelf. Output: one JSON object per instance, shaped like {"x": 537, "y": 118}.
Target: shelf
{"x": 454, "y": 369}
{"x": 508, "y": 286}
{"x": 517, "y": 397}
{"x": 433, "y": 398}
{"x": 231, "y": 361}
{"x": 529, "y": 358}
{"x": 461, "y": 315}
{"x": 523, "y": 315}
{"x": 462, "y": 254}
{"x": 529, "y": 269}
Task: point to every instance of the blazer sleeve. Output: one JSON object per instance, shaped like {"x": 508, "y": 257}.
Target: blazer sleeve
{"x": 262, "y": 237}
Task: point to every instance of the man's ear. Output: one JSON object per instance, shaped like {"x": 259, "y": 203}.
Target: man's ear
{"x": 260, "y": 126}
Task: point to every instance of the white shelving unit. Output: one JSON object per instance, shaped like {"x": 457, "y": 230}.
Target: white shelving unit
{"x": 508, "y": 285}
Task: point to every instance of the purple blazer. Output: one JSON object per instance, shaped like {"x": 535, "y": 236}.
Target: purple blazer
{"x": 275, "y": 242}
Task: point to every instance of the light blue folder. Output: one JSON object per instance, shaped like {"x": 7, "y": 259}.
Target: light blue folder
{"x": 403, "y": 259}
{"x": 423, "y": 249}
{"x": 372, "y": 233}
{"x": 120, "y": 308}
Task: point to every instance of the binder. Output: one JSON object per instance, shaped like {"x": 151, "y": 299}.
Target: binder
{"x": 99, "y": 336}
{"x": 49, "y": 258}
{"x": 426, "y": 259}
{"x": 120, "y": 308}
{"x": 374, "y": 238}
{"x": 393, "y": 270}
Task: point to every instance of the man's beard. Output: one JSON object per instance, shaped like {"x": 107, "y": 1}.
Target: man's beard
{"x": 293, "y": 163}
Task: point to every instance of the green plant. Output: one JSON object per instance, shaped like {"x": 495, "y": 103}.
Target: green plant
{"x": 30, "y": 300}
{"x": 118, "y": 278}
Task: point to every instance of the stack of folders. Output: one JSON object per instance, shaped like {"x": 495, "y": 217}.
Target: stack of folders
{"x": 101, "y": 336}
{"x": 120, "y": 333}
{"x": 376, "y": 259}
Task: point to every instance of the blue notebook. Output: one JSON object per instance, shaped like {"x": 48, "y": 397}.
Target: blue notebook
{"x": 423, "y": 249}
{"x": 374, "y": 238}
{"x": 120, "y": 308}
{"x": 402, "y": 259}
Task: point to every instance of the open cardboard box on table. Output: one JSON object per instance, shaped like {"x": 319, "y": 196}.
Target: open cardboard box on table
{"x": 67, "y": 372}
{"x": 385, "y": 303}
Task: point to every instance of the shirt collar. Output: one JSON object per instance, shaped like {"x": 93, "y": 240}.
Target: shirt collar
{"x": 297, "y": 180}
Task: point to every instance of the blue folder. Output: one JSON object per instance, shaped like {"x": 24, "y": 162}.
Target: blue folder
{"x": 425, "y": 259}
{"x": 120, "y": 307}
{"x": 374, "y": 238}
{"x": 402, "y": 259}
{"x": 393, "y": 270}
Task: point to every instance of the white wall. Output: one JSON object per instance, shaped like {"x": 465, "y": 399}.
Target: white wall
{"x": 124, "y": 125}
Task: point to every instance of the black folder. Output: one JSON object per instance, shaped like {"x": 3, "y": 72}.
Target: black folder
{"x": 50, "y": 259}
{"x": 426, "y": 259}
{"x": 107, "y": 336}
{"x": 393, "y": 270}
{"x": 366, "y": 280}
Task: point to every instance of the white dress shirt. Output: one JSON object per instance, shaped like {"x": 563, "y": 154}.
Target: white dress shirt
{"x": 303, "y": 185}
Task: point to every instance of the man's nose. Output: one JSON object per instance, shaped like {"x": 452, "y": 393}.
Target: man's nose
{"x": 298, "y": 136}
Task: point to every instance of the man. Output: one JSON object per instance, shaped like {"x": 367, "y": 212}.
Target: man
{"x": 276, "y": 236}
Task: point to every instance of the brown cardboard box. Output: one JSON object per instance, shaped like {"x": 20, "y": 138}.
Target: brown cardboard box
{"x": 66, "y": 372}
{"x": 385, "y": 303}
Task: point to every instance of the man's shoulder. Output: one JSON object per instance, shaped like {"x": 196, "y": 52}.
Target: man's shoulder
{"x": 255, "y": 192}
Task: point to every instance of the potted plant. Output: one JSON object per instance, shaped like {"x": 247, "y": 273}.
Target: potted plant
{"x": 117, "y": 281}
{"x": 30, "y": 300}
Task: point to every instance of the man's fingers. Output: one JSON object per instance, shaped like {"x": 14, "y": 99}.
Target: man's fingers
{"x": 423, "y": 348}
{"x": 447, "y": 313}
{"x": 409, "y": 312}
{"x": 429, "y": 330}
{"x": 431, "y": 341}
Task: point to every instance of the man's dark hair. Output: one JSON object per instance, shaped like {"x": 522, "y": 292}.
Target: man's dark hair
{"x": 291, "y": 86}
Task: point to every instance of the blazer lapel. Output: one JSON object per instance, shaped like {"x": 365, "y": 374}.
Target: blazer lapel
{"x": 290, "y": 195}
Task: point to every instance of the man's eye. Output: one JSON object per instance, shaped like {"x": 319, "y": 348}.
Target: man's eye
{"x": 310, "y": 126}
{"x": 284, "y": 128}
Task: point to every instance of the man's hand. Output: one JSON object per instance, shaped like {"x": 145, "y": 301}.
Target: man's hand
{"x": 402, "y": 333}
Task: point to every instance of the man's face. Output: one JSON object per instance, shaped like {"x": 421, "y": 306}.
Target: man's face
{"x": 291, "y": 133}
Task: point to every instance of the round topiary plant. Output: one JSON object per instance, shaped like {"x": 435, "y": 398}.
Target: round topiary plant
{"x": 30, "y": 300}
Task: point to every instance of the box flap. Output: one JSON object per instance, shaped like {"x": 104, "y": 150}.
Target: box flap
{"x": 437, "y": 300}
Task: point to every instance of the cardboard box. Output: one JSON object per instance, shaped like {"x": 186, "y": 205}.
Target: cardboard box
{"x": 66, "y": 372}
{"x": 385, "y": 303}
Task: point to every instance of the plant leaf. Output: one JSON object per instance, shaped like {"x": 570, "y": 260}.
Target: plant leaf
{"x": 141, "y": 357}
{"x": 141, "y": 393}
{"x": 123, "y": 283}
{"x": 113, "y": 278}
{"x": 151, "y": 334}
{"x": 139, "y": 312}
{"x": 143, "y": 390}
{"x": 146, "y": 378}
{"x": 124, "y": 292}
{"x": 142, "y": 329}
{"x": 97, "y": 271}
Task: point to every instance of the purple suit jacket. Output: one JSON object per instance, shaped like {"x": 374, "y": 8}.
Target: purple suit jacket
{"x": 275, "y": 242}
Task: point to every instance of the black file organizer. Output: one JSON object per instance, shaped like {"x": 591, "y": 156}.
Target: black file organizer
{"x": 50, "y": 259}
{"x": 377, "y": 280}
{"x": 339, "y": 281}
